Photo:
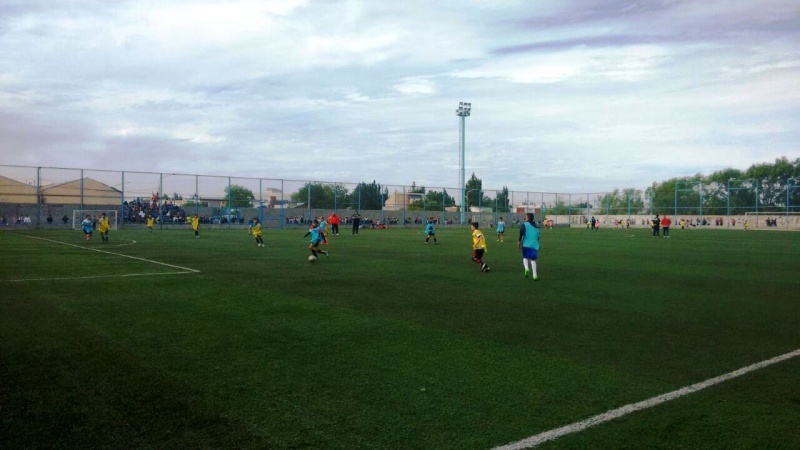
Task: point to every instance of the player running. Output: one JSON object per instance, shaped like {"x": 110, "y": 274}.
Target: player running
{"x": 103, "y": 227}
{"x": 529, "y": 243}
{"x": 87, "y": 227}
{"x": 478, "y": 247}
{"x": 316, "y": 239}
{"x": 255, "y": 230}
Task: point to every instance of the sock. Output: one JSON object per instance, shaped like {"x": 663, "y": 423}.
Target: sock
{"x": 313, "y": 252}
{"x": 533, "y": 269}
{"x": 525, "y": 264}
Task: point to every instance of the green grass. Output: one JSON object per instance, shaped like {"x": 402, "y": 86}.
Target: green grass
{"x": 389, "y": 343}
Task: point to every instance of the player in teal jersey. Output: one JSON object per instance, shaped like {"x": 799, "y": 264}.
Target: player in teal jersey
{"x": 430, "y": 232}
{"x": 316, "y": 239}
{"x": 529, "y": 243}
{"x": 501, "y": 229}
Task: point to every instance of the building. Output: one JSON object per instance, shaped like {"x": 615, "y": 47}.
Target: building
{"x": 399, "y": 200}
{"x": 13, "y": 191}
{"x": 86, "y": 192}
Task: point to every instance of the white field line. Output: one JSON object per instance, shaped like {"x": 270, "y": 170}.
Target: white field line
{"x": 183, "y": 269}
{"x": 550, "y": 435}
{"x": 90, "y": 277}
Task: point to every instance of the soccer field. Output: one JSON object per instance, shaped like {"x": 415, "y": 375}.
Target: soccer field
{"x": 163, "y": 340}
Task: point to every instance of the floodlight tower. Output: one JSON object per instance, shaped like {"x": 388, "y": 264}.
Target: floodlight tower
{"x": 463, "y": 112}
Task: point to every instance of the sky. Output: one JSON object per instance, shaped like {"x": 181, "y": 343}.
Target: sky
{"x": 567, "y": 95}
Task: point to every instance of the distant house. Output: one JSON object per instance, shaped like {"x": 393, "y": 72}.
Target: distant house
{"x": 399, "y": 200}
{"x": 13, "y": 191}
{"x": 94, "y": 193}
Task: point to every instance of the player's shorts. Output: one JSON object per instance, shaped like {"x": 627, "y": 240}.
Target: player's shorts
{"x": 316, "y": 242}
{"x": 87, "y": 231}
{"x": 529, "y": 253}
{"x": 430, "y": 233}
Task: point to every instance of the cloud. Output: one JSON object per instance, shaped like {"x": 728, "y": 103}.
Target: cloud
{"x": 586, "y": 95}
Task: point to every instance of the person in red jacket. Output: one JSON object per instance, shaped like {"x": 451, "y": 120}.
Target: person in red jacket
{"x": 665, "y": 223}
{"x": 333, "y": 219}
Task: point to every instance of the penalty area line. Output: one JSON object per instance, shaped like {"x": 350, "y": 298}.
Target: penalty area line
{"x": 91, "y": 277}
{"x": 556, "y": 433}
{"x": 115, "y": 254}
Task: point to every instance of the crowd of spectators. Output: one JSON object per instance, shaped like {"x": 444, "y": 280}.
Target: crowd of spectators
{"x": 138, "y": 209}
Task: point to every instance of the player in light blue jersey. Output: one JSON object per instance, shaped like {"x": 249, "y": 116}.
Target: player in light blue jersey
{"x": 430, "y": 232}
{"x": 87, "y": 226}
{"x": 323, "y": 229}
{"x": 529, "y": 243}
{"x": 316, "y": 239}
{"x": 501, "y": 229}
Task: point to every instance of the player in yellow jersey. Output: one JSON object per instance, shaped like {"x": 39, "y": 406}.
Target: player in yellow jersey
{"x": 196, "y": 226}
{"x": 255, "y": 230}
{"x": 103, "y": 227}
{"x": 150, "y": 222}
{"x": 478, "y": 247}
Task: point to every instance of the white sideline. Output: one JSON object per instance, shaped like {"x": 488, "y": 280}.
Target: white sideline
{"x": 115, "y": 254}
{"x": 555, "y": 433}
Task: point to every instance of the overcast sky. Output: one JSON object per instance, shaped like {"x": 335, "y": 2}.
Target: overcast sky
{"x": 567, "y": 96}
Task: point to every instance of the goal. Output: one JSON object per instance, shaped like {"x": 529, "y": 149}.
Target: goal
{"x": 79, "y": 214}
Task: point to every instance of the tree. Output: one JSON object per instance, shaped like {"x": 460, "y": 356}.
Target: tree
{"x": 238, "y": 196}
{"x": 474, "y": 189}
{"x": 415, "y": 189}
{"x": 370, "y": 196}
{"x": 433, "y": 201}
{"x": 319, "y": 195}
{"x": 621, "y": 202}
{"x": 502, "y": 201}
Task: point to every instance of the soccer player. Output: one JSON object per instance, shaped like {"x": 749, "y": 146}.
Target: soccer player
{"x": 478, "y": 247}
{"x": 87, "y": 227}
{"x": 316, "y": 239}
{"x": 323, "y": 229}
{"x": 103, "y": 227}
{"x": 255, "y": 230}
{"x": 529, "y": 243}
{"x": 196, "y": 226}
{"x": 430, "y": 232}
{"x": 150, "y": 222}
{"x": 501, "y": 229}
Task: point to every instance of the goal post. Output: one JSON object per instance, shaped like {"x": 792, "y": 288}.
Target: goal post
{"x": 79, "y": 214}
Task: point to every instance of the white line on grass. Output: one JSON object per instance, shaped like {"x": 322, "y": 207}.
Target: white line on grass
{"x": 96, "y": 276}
{"x": 115, "y": 254}
{"x": 556, "y": 433}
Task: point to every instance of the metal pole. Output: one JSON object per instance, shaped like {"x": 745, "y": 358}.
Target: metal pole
{"x": 81, "y": 191}
{"x": 260, "y": 203}
{"x": 463, "y": 172}
{"x": 121, "y": 222}
{"x": 39, "y": 197}
{"x": 283, "y": 206}
{"x": 700, "y": 189}
{"x": 728, "y": 197}
{"x": 158, "y": 200}
{"x": 404, "y": 206}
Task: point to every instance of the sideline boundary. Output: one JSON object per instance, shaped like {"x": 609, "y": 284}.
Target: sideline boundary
{"x": 182, "y": 270}
{"x": 556, "y": 433}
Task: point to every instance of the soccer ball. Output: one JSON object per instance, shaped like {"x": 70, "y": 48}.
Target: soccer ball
{"x": 312, "y": 259}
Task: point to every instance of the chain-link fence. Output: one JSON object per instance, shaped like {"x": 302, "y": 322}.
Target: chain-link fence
{"x": 50, "y": 197}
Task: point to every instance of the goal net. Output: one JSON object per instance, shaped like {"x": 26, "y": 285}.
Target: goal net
{"x": 94, "y": 214}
